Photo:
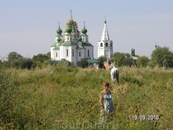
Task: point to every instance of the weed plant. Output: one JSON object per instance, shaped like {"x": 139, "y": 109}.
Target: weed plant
{"x": 57, "y": 97}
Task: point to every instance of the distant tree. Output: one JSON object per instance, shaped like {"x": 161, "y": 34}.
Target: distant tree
{"x": 65, "y": 62}
{"x": 14, "y": 55}
{"x": 41, "y": 57}
{"x": 133, "y": 52}
{"x": 83, "y": 63}
{"x": 142, "y": 61}
{"x": 48, "y": 54}
{"x": 128, "y": 61}
{"x": 102, "y": 59}
{"x": 122, "y": 59}
{"x": 25, "y": 63}
{"x": 162, "y": 57}
{"x": 118, "y": 58}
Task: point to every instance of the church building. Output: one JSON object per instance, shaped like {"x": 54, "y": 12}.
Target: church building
{"x": 105, "y": 45}
{"x": 71, "y": 45}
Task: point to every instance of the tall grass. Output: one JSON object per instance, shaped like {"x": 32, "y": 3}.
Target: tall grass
{"x": 63, "y": 97}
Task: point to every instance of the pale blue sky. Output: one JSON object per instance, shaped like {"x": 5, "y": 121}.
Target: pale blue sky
{"x": 29, "y": 26}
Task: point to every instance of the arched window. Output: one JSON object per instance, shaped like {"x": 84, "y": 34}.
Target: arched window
{"x": 67, "y": 52}
{"x": 111, "y": 44}
{"x": 79, "y": 54}
{"x": 101, "y": 44}
{"x": 56, "y": 54}
{"x": 88, "y": 53}
{"x": 106, "y": 44}
{"x": 73, "y": 52}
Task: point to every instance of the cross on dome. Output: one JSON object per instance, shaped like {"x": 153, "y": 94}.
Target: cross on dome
{"x": 84, "y": 23}
{"x": 105, "y": 19}
{"x": 59, "y": 24}
{"x": 71, "y": 14}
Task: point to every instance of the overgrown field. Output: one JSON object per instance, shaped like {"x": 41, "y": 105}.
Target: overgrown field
{"x": 62, "y": 97}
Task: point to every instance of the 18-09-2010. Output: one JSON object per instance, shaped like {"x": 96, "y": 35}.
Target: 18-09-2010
{"x": 145, "y": 117}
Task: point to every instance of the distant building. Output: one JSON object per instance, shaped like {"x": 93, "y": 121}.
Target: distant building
{"x": 71, "y": 45}
{"x": 105, "y": 45}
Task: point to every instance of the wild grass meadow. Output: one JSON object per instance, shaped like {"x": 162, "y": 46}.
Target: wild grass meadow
{"x": 56, "y": 97}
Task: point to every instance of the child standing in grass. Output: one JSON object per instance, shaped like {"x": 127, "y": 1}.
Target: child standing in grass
{"x": 106, "y": 104}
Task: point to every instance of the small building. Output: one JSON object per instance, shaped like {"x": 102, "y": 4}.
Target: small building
{"x": 94, "y": 63}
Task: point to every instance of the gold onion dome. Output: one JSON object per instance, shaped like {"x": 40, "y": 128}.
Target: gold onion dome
{"x": 72, "y": 24}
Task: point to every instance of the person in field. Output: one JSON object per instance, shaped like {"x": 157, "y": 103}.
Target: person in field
{"x": 106, "y": 104}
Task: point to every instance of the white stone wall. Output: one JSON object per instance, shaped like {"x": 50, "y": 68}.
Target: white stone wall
{"x": 104, "y": 50}
{"x": 91, "y": 53}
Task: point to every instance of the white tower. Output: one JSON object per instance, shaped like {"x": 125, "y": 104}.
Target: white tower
{"x": 105, "y": 45}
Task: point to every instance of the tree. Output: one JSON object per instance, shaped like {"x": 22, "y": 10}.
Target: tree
{"x": 48, "y": 55}
{"x": 24, "y": 63}
{"x": 162, "y": 57}
{"x": 142, "y": 61}
{"x": 65, "y": 62}
{"x": 14, "y": 55}
{"x": 122, "y": 59}
{"x": 102, "y": 59}
{"x": 41, "y": 57}
{"x": 83, "y": 63}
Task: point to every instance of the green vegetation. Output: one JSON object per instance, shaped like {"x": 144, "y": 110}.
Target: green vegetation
{"x": 162, "y": 57}
{"x": 83, "y": 63}
{"x": 122, "y": 59}
{"x": 63, "y": 97}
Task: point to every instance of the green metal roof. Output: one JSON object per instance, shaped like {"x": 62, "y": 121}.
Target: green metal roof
{"x": 55, "y": 48}
{"x": 86, "y": 44}
{"x": 84, "y": 34}
{"x": 54, "y": 61}
{"x": 58, "y": 35}
{"x": 93, "y": 61}
{"x": 68, "y": 43}
{"x": 80, "y": 47}
{"x": 54, "y": 45}
{"x": 111, "y": 58}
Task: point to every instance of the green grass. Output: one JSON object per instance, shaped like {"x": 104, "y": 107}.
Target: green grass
{"x": 62, "y": 97}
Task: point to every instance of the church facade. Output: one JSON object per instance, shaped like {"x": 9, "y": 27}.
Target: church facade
{"x": 71, "y": 45}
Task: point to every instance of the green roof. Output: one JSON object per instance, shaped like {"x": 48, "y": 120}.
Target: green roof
{"x": 68, "y": 34}
{"x": 58, "y": 35}
{"x": 80, "y": 47}
{"x": 54, "y": 61}
{"x": 93, "y": 61}
{"x": 86, "y": 44}
{"x": 68, "y": 43}
{"x": 111, "y": 58}
{"x": 84, "y": 35}
{"x": 54, "y": 45}
{"x": 55, "y": 48}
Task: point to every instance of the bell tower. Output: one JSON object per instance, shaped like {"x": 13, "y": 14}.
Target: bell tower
{"x": 105, "y": 45}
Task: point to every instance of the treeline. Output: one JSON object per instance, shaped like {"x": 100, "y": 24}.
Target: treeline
{"x": 161, "y": 57}
{"x": 18, "y": 61}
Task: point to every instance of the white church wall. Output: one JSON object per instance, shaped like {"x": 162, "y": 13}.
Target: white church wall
{"x": 90, "y": 48}
{"x": 51, "y": 53}
{"x": 74, "y": 57}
